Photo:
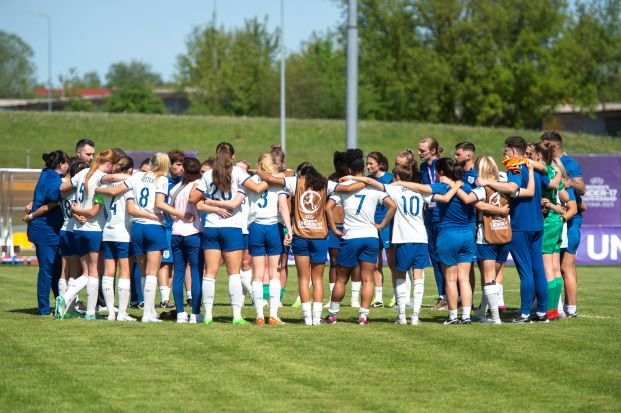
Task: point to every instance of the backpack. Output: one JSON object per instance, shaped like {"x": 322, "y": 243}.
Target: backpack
{"x": 496, "y": 228}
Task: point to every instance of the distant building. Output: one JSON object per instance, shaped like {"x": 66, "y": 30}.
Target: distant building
{"x": 176, "y": 101}
{"x": 604, "y": 119}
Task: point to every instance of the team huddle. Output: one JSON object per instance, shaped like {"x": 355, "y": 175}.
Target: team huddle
{"x": 177, "y": 220}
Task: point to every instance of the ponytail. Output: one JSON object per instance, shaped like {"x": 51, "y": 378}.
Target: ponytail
{"x": 223, "y": 166}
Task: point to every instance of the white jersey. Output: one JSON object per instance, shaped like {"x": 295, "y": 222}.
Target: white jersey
{"x": 264, "y": 206}
{"x": 118, "y": 221}
{"x": 408, "y": 225}
{"x": 180, "y": 195}
{"x": 359, "y": 208}
{"x": 144, "y": 186}
{"x": 65, "y": 205}
{"x": 85, "y": 198}
{"x": 245, "y": 209}
{"x": 209, "y": 189}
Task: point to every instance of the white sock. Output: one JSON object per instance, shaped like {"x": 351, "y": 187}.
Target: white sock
{"x": 379, "y": 293}
{"x": 92, "y": 294}
{"x": 401, "y": 295}
{"x": 142, "y": 281}
{"x": 363, "y": 312}
{"x": 188, "y": 294}
{"x": 165, "y": 293}
{"x": 306, "y": 312}
{"x": 150, "y": 286}
{"x": 419, "y": 290}
{"x": 209, "y": 292}
{"x": 62, "y": 286}
{"x": 107, "y": 285}
{"x": 334, "y": 308}
{"x": 246, "y": 280}
{"x": 274, "y": 297}
{"x": 74, "y": 287}
{"x": 501, "y": 297}
{"x": 355, "y": 290}
{"x": 452, "y": 314}
{"x": 490, "y": 293}
{"x": 571, "y": 310}
{"x": 465, "y": 312}
{"x": 236, "y": 293}
{"x": 317, "y": 308}
{"x": 257, "y": 297}
{"x": 124, "y": 288}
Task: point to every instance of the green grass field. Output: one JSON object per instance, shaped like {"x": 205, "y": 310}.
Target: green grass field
{"x": 307, "y": 140}
{"x": 568, "y": 365}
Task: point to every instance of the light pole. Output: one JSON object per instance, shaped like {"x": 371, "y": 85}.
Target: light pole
{"x": 283, "y": 133}
{"x": 49, "y": 58}
{"x": 351, "y": 140}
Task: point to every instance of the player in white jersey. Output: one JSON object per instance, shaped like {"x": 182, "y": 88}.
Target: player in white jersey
{"x": 88, "y": 232}
{"x": 245, "y": 273}
{"x": 223, "y": 234}
{"x": 359, "y": 245}
{"x": 145, "y": 204}
{"x": 116, "y": 238}
{"x": 186, "y": 241}
{"x": 269, "y": 211}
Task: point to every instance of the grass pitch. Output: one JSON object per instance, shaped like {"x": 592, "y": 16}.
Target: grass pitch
{"x": 569, "y": 365}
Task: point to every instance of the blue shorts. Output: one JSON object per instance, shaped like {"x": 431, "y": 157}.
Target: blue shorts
{"x": 334, "y": 242}
{"x": 266, "y": 240}
{"x": 148, "y": 237}
{"x": 246, "y": 241}
{"x": 223, "y": 239}
{"x": 355, "y": 250}
{"x": 113, "y": 250}
{"x": 316, "y": 249}
{"x": 87, "y": 241}
{"x": 411, "y": 255}
{"x": 491, "y": 252}
{"x": 456, "y": 246}
{"x": 573, "y": 234}
{"x": 167, "y": 257}
{"x": 67, "y": 244}
{"x": 385, "y": 237}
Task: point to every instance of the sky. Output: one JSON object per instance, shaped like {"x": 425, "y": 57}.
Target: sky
{"x": 90, "y": 35}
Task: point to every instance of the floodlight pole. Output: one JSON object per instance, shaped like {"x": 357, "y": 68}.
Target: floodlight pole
{"x": 352, "y": 75}
{"x": 283, "y": 116}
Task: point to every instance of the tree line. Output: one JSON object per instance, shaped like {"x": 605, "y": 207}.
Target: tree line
{"x": 478, "y": 62}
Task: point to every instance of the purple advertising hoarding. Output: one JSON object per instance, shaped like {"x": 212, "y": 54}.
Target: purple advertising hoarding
{"x": 600, "y": 241}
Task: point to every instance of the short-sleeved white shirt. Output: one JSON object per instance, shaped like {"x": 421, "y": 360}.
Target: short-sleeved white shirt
{"x": 408, "y": 224}
{"x": 65, "y": 205}
{"x": 86, "y": 199}
{"x": 359, "y": 208}
{"x": 209, "y": 189}
{"x": 144, "y": 186}
{"x": 264, "y": 206}
{"x": 181, "y": 203}
{"x": 118, "y": 222}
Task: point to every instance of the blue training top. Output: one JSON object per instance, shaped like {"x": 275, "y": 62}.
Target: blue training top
{"x": 45, "y": 230}
{"x": 428, "y": 177}
{"x": 470, "y": 178}
{"x": 526, "y": 212}
{"x": 573, "y": 170}
{"x": 453, "y": 214}
{"x": 380, "y": 209}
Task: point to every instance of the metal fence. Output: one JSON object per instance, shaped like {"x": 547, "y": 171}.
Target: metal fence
{"x": 16, "y": 190}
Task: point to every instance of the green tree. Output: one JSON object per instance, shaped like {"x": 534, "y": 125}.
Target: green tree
{"x": 234, "y": 72}
{"x": 134, "y": 99}
{"x": 16, "y": 68}
{"x": 134, "y": 73}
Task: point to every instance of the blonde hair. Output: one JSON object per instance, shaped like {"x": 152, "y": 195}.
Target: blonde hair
{"x": 487, "y": 168}
{"x": 103, "y": 157}
{"x": 266, "y": 163}
{"x": 160, "y": 164}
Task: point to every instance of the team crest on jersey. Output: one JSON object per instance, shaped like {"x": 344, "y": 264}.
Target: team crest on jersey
{"x": 166, "y": 254}
{"x": 494, "y": 199}
{"x": 310, "y": 202}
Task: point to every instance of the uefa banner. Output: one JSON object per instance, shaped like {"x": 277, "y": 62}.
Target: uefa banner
{"x": 600, "y": 241}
